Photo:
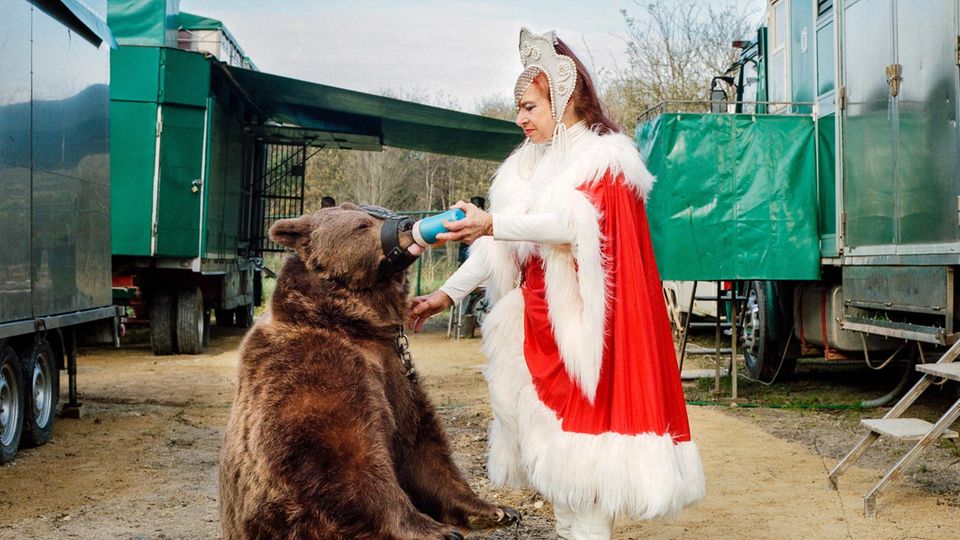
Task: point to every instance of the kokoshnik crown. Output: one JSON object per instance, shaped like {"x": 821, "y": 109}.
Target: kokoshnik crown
{"x": 539, "y": 55}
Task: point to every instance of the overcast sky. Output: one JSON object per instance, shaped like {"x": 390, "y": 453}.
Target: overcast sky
{"x": 464, "y": 51}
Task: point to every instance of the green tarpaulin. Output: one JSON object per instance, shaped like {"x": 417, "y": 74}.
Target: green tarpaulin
{"x": 735, "y": 197}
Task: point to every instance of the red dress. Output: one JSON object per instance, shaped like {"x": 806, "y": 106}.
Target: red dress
{"x": 639, "y": 388}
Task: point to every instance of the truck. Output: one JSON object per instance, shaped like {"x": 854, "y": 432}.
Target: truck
{"x": 214, "y": 151}
{"x": 824, "y": 175}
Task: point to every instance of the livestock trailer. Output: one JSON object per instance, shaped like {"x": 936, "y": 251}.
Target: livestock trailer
{"x": 54, "y": 206}
{"x": 210, "y": 152}
{"x": 827, "y": 178}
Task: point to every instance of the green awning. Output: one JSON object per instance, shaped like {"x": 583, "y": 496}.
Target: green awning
{"x": 301, "y": 109}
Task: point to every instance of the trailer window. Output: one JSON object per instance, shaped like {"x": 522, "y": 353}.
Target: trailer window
{"x": 825, "y": 63}
{"x": 779, "y": 59}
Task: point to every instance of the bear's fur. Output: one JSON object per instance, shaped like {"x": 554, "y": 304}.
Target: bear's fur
{"x": 328, "y": 437}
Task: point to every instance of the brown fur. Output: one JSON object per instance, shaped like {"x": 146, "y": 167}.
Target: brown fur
{"x": 328, "y": 438}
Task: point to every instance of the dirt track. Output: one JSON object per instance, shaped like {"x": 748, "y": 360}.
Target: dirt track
{"x": 141, "y": 463}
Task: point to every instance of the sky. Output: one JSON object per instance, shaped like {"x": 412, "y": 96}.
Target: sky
{"x": 455, "y": 53}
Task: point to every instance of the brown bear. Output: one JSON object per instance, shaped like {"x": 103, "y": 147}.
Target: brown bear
{"x": 331, "y": 436}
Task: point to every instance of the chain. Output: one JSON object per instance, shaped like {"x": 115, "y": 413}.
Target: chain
{"x": 403, "y": 350}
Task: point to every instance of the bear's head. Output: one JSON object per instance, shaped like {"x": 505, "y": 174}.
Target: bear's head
{"x": 343, "y": 244}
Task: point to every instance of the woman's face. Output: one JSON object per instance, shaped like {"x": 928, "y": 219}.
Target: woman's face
{"x": 533, "y": 115}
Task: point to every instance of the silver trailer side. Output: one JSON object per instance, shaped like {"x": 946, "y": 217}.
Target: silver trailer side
{"x": 54, "y": 204}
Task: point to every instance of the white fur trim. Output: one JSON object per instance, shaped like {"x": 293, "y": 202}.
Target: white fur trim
{"x": 505, "y": 319}
{"x": 577, "y": 295}
{"x": 575, "y": 274}
{"x": 630, "y": 476}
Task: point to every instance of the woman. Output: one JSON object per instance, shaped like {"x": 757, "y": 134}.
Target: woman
{"x": 583, "y": 379}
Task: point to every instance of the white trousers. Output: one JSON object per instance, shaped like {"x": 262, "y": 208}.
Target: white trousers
{"x": 586, "y": 525}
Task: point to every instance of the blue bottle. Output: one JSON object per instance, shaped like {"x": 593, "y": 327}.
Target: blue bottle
{"x": 426, "y": 230}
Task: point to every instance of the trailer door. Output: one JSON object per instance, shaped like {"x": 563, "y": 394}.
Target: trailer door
{"x": 900, "y": 135}
{"x": 869, "y": 156}
{"x": 926, "y": 121}
{"x": 181, "y": 179}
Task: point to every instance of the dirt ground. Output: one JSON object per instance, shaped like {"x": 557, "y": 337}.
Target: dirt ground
{"x": 141, "y": 463}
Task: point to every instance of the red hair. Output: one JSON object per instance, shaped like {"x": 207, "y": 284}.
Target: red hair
{"x": 586, "y": 102}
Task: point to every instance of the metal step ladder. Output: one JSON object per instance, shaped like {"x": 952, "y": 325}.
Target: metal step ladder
{"x": 909, "y": 429}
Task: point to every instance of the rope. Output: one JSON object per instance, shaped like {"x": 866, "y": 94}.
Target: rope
{"x": 866, "y": 354}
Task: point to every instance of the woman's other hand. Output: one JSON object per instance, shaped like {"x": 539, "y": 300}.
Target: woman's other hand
{"x": 424, "y": 307}
{"x": 477, "y": 223}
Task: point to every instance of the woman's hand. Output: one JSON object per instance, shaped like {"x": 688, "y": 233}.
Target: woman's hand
{"x": 477, "y": 223}
{"x": 424, "y": 307}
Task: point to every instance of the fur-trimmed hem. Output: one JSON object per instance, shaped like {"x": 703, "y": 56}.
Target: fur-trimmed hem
{"x": 631, "y": 476}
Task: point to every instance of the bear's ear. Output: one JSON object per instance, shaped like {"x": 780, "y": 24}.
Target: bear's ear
{"x": 349, "y": 206}
{"x": 288, "y": 232}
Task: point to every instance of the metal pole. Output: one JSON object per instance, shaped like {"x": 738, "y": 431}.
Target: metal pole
{"x": 716, "y": 343}
{"x": 686, "y": 327}
{"x": 72, "y": 408}
{"x": 733, "y": 341}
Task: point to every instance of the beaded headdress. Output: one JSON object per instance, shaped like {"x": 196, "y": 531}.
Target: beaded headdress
{"x": 539, "y": 56}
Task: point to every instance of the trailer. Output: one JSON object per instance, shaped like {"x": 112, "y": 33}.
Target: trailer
{"x": 54, "y": 210}
{"x": 826, "y": 177}
{"x": 214, "y": 151}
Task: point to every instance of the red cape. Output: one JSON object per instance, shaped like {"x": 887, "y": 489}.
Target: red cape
{"x": 639, "y": 388}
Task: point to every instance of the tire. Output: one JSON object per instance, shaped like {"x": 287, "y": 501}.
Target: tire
{"x": 244, "y": 316}
{"x": 758, "y": 328}
{"x": 12, "y": 403}
{"x": 162, "y": 337}
{"x": 42, "y": 382}
{"x": 224, "y": 317}
{"x": 190, "y": 321}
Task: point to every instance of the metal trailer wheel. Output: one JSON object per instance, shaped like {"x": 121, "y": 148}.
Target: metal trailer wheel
{"x": 758, "y": 338}
{"x": 190, "y": 321}
{"x": 11, "y": 403}
{"x": 43, "y": 393}
{"x": 162, "y": 336}
{"x": 244, "y": 315}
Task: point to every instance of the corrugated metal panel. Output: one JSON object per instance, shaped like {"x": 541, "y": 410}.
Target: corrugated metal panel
{"x": 735, "y": 197}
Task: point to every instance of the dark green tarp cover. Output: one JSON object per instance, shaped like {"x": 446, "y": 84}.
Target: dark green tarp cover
{"x": 189, "y": 21}
{"x": 735, "y": 197}
{"x": 309, "y": 106}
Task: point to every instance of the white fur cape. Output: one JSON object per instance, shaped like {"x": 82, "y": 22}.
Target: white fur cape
{"x": 633, "y": 476}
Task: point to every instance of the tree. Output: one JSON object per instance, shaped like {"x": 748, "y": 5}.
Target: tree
{"x": 674, "y": 48}
{"x": 402, "y": 179}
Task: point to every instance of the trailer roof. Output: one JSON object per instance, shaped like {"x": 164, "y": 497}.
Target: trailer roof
{"x": 297, "y": 111}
